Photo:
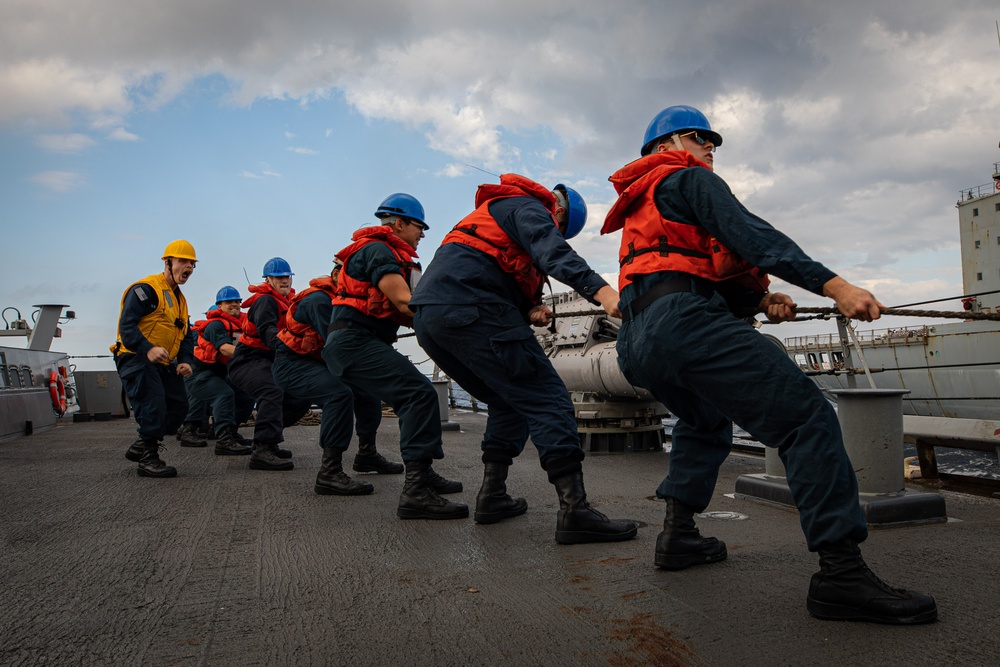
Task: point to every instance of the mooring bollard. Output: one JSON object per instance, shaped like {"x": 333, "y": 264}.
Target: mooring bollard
{"x": 441, "y": 387}
{"x": 773, "y": 466}
{"x": 872, "y": 423}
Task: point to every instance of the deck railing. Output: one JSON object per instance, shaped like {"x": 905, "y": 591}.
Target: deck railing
{"x": 894, "y": 336}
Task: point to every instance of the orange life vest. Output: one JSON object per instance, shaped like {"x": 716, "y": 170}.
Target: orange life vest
{"x": 302, "y": 338}
{"x": 250, "y": 335}
{"x": 364, "y": 296}
{"x": 481, "y": 231}
{"x": 651, "y": 243}
{"x": 205, "y": 351}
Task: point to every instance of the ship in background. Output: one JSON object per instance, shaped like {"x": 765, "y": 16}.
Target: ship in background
{"x": 36, "y": 385}
{"x": 951, "y": 369}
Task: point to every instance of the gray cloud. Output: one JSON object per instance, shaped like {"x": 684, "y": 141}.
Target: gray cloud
{"x": 850, "y": 125}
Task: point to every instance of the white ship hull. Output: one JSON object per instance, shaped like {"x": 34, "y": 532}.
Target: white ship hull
{"x": 950, "y": 370}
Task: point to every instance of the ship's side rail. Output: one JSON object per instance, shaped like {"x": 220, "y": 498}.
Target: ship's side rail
{"x": 823, "y": 353}
{"x": 874, "y": 337}
{"x": 982, "y": 435}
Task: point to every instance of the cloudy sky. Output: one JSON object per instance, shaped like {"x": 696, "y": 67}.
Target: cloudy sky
{"x": 257, "y": 128}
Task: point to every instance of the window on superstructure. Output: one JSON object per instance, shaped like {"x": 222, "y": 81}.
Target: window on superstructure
{"x": 979, "y": 276}
{"x": 977, "y": 244}
{"x": 996, "y": 207}
{"x": 975, "y": 212}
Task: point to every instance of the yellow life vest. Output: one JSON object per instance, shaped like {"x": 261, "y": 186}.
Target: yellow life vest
{"x": 166, "y": 326}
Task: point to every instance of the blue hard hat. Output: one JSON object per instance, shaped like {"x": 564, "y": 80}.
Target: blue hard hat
{"x": 277, "y": 267}
{"x": 677, "y": 119}
{"x": 402, "y": 204}
{"x": 576, "y": 215}
{"x": 228, "y": 293}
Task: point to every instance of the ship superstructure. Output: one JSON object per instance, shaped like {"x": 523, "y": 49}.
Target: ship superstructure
{"x": 951, "y": 369}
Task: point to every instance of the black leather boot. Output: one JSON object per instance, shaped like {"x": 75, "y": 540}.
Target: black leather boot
{"x": 150, "y": 465}
{"x": 369, "y": 460}
{"x": 680, "y": 545}
{"x": 227, "y": 444}
{"x": 845, "y": 589}
{"x": 187, "y": 435}
{"x": 493, "y": 503}
{"x": 578, "y": 522}
{"x": 442, "y": 485}
{"x": 419, "y": 500}
{"x": 246, "y": 442}
{"x": 282, "y": 453}
{"x": 265, "y": 457}
{"x": 333, "y": 481}
{"x": 135, "y": 451}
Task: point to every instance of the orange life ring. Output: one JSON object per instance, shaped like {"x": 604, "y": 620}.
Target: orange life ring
{"x": 815, "y": 367}
{"x": 57, "y": 391}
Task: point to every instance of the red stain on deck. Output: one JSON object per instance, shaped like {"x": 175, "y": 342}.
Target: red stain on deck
{"x": 649, "y": 644}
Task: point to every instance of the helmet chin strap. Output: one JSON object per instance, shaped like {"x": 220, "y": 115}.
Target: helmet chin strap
{"x": 170, "y": 271}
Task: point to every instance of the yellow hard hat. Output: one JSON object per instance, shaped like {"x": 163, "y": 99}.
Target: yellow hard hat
{"x": 180, "y": 249}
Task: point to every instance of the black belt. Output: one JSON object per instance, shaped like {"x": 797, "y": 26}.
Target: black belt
{"x": 663, "y": 288}
{"x": 352, "y": 324}
{"x": 348, "y": 324}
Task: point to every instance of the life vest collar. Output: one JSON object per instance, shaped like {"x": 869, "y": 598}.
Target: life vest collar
{"x": 515, "y": 185}
{"x": 383, "y": 233}
{"x": 632, "y": 180}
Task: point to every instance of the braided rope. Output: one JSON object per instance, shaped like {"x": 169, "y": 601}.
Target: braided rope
{"x": 912, "y": 313}
{"x": 833, "y": 311}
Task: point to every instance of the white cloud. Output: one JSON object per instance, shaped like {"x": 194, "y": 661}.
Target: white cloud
{"x": 265, "y": 172}
{"x": 65, "y": 143}
{"x": 48, "y": 89}
{"x": 453, "y": 170}
{"x": 303, "y": 151}
{"x": 121, "y": 134}
{"x": 58, "y": 181}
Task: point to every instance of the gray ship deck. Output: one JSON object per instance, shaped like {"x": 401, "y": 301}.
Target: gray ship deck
{"x": 228, "y": 566}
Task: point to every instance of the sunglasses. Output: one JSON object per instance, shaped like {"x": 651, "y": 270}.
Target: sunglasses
{"x": 421, "y": 225}
{"x": 699, "y": 138}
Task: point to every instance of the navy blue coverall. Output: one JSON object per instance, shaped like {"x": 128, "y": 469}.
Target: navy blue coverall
{"x": 209, "y": 384}
{"x": 250, "y": 370}
{"x": 711, "y": 369}
{"x": 361, "y": 354}
{"x": 155, "y": 391}
{"x": 471, "y": 318}
{"x": 307, "y": 378}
